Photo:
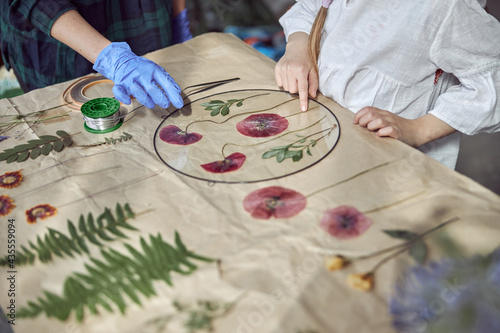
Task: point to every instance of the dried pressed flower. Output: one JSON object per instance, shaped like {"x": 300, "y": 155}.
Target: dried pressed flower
{"x": 41, "y": 212}
{"x": 363, "y": 282}
{"x": 231, "y": 163}
{"x": 262, "y": 125}
{"x": 174, "y": 135}
{"x": 11, "y": 179}
{"x": 6, "y": 205}
{"x": 345, "y": 222}
{"x": 337, "y": 262}
{"x": 274, "y": 201}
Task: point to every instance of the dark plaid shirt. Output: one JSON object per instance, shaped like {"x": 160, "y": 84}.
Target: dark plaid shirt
{"x": 39, "y": 60}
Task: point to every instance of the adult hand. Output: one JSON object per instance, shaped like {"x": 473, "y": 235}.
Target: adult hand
{"x": 148, "y": 82}
{"x": 387, "y": 124}
{"x": 181, "y": 31}
{"x": 295, "y": 71}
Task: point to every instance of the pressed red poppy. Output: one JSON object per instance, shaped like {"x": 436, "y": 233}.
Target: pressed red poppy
{"x": 11, "y": 179}
{"x": 230, "y": 163}
{"x": 6, "y": 205}
{"x": 262, "y": 125}
{"x": 41, "y": 212}
{"x": 174, "y": 135}
{"x": 274, "y": 201}
{"x": 345, "y": 222}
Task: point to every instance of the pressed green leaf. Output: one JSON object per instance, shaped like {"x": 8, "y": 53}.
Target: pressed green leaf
{"x": 91, "y": 230}
{"x": 270, "y": 154}
{"x": 108, "y": 141}
{"x": 48, "y": 138}
{"x": 400, "y": 234}
{"x": 114, "y": 230}
{"x": 67, "y": 142}
{"x": 103, "y": 235}
{"x": 281, "y": 156}
{"x": 4, "y": 156}
{"x": 225, "y": 110}
{"x": 24, "y": 147}
{"x": 215, "y": 111}
{"x": 233, "y": 100}
{"x": 104, "y": 304}
{"x": 36, "y": 142}
{"x": 12, "y": 158}
{"x": 308, "y": 150}
{"x": 62, "y": 133}
{"x": 291, "y": 153}
{"x": 298, "y": 156}
{"x": 58, "y": 146}
{"x": 239, "y": 104}
{"x": 418, "y": 251}
{"x": 52, "y": 245}
{"x": 35, "y": 153}
{"x": 46, "y": 149}
{"x": 128, "y": 211}
{"x": 23, "y": 156}
{"x": 128, "y": 136}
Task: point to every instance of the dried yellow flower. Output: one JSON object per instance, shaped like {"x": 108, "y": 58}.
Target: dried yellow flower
{"x": 336, "y": 263}
{"x": 363, "y": 282}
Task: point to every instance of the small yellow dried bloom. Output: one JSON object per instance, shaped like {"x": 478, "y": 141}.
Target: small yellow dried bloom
{"x": 363, "y": 282}
{"x": 336, "y": 263}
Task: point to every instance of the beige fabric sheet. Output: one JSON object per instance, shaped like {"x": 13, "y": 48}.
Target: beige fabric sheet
{"x": 273, "y": 268}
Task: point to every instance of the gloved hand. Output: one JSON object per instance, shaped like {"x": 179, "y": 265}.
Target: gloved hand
{"x": 180, "y": 28}
{"x": 148, "y": 82}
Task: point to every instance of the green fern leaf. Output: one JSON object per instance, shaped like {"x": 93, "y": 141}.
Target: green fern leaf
{"x": 114, "y": 279}
{"x": 74, "y": 242}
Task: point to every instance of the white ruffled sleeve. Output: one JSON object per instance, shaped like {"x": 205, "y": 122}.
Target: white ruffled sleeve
{"x": 467, "y": 44}
{"x": 300, "y": 17}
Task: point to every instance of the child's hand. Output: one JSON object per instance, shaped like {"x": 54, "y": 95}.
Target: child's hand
{"x": 388, "y": 124}
{"x": 295, "y": 71}
{"x": 413, "y": 132}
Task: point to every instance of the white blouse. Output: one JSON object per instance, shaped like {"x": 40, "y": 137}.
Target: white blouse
{"x": 384, "y": 53}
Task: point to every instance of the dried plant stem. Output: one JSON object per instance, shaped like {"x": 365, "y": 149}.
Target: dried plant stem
{"x": 275, "y": 138}
{"x": 133, "y": 181}
{"x": 348, "y": 179}
{"x": 236, "y": 115}
{"x": 65, "y": 177}
{"x": 401, "y": 247}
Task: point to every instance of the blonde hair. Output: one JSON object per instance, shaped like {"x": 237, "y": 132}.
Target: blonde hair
{"x": 315, "y": 35}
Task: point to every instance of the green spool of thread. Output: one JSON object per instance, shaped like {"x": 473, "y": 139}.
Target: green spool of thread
{"x": 101, "y": 115}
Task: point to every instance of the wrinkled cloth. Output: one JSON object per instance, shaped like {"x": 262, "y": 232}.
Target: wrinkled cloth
{"x": 385, "y": 54}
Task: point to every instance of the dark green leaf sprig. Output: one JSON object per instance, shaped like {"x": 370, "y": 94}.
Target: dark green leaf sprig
{"x": 295, "y": 150}
{"x": 33, "y": 149}
{"x": 110, "y": 141}
{"x": 105, "y": 228}
{"x": 196, "y": 318}
{"x": 220, "y": 107}
{"x": 417, "y": 249}
{"x": 106, "y": 282}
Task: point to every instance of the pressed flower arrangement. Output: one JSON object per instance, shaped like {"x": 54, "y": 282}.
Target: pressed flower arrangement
{"x": 246, "y": 136}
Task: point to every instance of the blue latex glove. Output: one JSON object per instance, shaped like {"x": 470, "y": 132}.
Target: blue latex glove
{"x": 148, "y": 82}
{"x": 180, "y": 28}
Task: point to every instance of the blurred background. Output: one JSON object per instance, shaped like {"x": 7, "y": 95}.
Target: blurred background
{"x": 256, "y": 23}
